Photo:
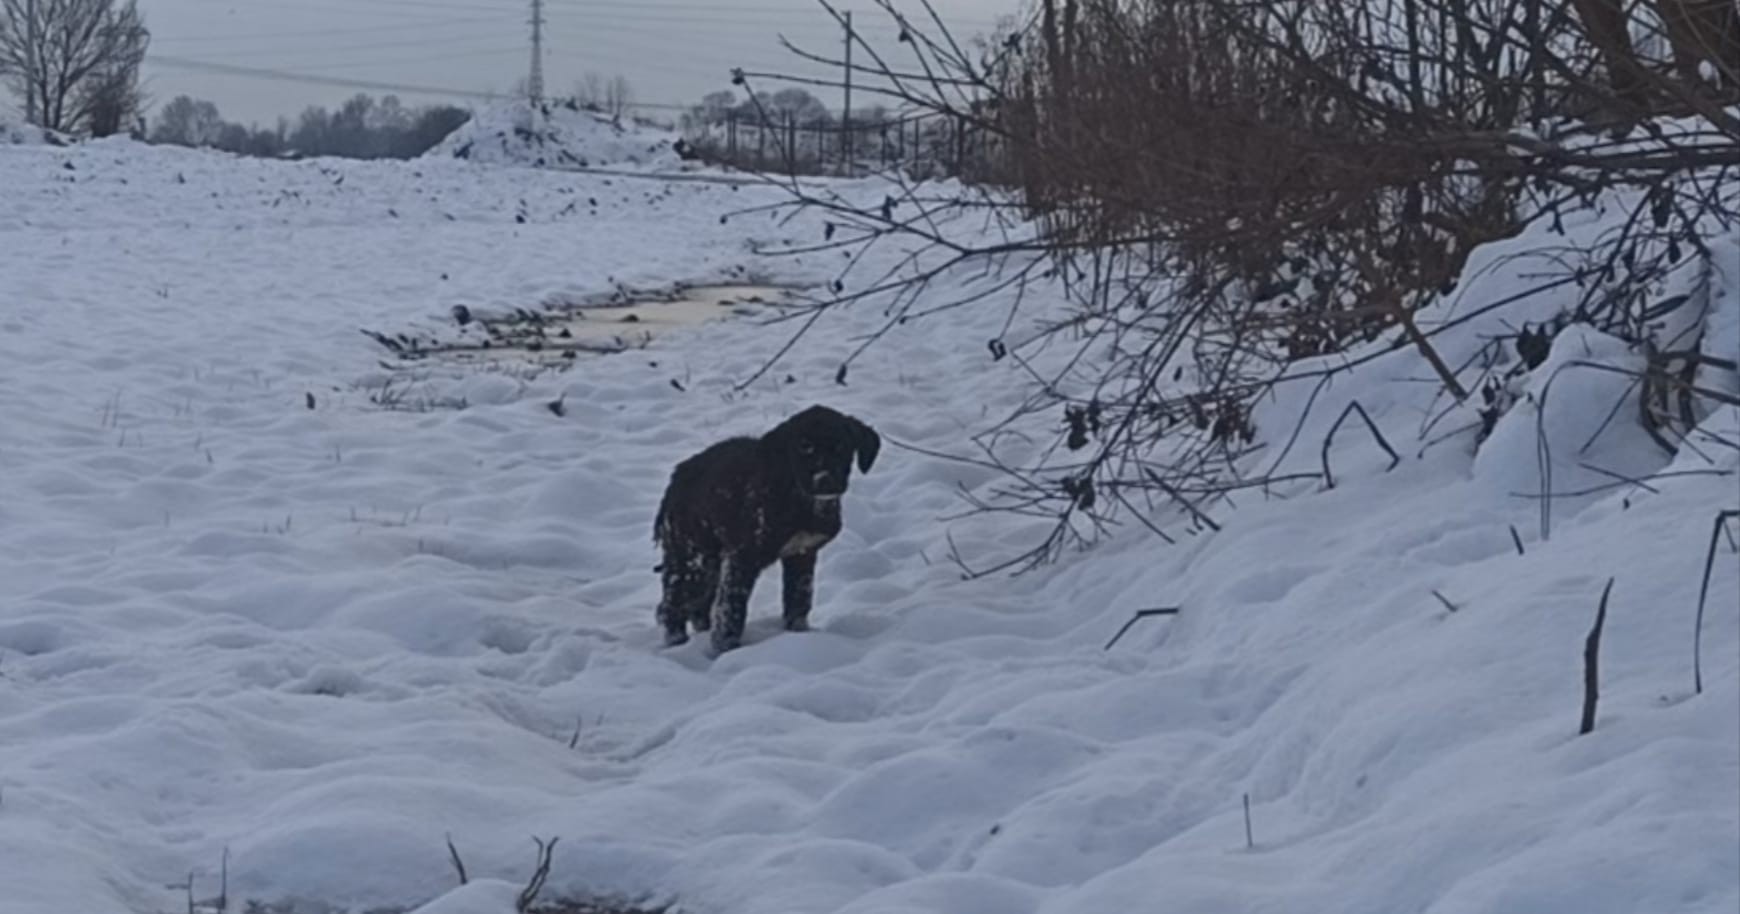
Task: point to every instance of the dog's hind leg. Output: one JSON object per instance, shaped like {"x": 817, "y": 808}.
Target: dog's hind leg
{"x": 799, "y": 573}
{"x": 731, "y": 604}
{"x": 690, "y": 580}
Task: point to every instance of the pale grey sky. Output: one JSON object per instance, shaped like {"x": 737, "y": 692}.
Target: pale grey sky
{"x": 671, "y": 51}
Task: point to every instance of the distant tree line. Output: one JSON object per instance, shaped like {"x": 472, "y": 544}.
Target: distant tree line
{"x": 795, "y": 104}
{"x": 361, "y": 128}
{"x": 593, "y": 92}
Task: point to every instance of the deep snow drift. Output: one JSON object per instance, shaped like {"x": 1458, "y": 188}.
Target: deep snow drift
{"x": 245, "y": 608}
{"x": 556, "y": 136}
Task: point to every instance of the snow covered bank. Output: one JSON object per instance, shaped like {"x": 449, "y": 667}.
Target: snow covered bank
{"x": 326, "y": 638}
{"x": 14, "y": 133}
{"x": 556, "y": 136}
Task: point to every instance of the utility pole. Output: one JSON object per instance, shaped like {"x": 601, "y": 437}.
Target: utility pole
{"x": 32, "y": 78}
{"x": 535, "y": 83}
{"x": 846, "y": 116}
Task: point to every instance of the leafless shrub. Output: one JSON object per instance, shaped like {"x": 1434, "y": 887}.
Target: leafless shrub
{"x": 1230, "y": 190}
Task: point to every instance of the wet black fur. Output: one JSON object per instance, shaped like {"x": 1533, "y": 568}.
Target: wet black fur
{"x": 737, "y": 507}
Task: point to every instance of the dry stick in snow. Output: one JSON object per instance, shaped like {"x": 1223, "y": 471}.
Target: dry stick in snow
{"x": 1139, "y": 615}
{"x": 1250, "y": 840}
{"x": 1591, "y": 657}
{"x": 1354, "y": 407}
{"x": 1390, "y": 299}
{"x": 458, "y": 864}
{"x": 1516, "y": 538}
{"x": 1722, "y": 519}
{"x": 530, "y": 895}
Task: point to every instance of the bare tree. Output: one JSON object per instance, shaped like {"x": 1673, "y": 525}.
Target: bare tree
{"x": 187, "y": 121}
{"x": 714, "y": 108}
{"x": 74, "y": 63}
{"x": 589, "y": 91}
{"x": 116, "y": 103}
{"x": 390, "y": 115}
{"x": 618, "y": 95}
{"x": 797, "y": 104}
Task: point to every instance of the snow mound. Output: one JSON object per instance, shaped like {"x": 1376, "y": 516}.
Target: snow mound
{"x": 13, "y": 133}
{"x": 556, "y": 136}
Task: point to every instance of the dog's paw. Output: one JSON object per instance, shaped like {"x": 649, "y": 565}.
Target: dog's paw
{"x": 723, "y": 642}
{"x": 797, "y": 625}
{"x": 673, "y": 639}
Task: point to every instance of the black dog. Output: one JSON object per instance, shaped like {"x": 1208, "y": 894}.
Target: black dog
{"x": 732, "y": 510}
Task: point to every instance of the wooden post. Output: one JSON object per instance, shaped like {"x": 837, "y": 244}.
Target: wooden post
{"x": 846, "y": 115}
{"x": 960, "y": 146}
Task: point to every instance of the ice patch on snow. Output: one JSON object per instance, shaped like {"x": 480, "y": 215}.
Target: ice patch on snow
{"x": 487, "y": 356}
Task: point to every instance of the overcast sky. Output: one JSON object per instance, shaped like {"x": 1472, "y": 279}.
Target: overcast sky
{"x": 671, "y": 51}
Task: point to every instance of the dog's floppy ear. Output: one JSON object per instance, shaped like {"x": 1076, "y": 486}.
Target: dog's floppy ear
{"x": 866, "y": 442}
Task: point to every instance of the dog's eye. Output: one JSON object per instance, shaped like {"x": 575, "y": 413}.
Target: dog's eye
{"x": 806, "y": 448}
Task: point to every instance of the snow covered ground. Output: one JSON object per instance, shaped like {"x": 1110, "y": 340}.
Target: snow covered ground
{"x": 245, "y": 610}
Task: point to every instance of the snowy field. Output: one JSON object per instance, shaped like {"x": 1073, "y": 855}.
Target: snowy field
{"x": 246, "y": 611}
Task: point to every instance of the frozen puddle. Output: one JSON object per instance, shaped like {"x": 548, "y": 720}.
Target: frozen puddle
{"x": 554, "y": 335}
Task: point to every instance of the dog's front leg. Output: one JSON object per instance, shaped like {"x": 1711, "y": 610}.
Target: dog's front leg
{"x": 798, "y": 590}
{"x": 731, "y": 605}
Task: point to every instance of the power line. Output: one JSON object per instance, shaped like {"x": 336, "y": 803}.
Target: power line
{"x": 372, "y": 60}
{"x": 632, "y": 27}
{"x": 735, "y": 9}
{"x": 417, "y": 58}
{"x": 734, "y": 16}
{"x": 692, "y": 24}
{"x": 323, "y": 49}
{"x": 632, "y": 33}
{"x": 319, "y": 33}
{"x": 268, "y": 73}
{"x": 631, "y": 21}
{"x": 535, "y": 83}
{"x": 276, "y": 75}
{"x": 619, "y": 8}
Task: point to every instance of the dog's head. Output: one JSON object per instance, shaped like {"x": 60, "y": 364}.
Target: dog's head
{"x": 817, "y": 447}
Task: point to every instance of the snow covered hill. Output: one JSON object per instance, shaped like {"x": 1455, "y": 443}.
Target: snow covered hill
{"x": 254, "y": 623}
{"x": 556, "y": 136}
